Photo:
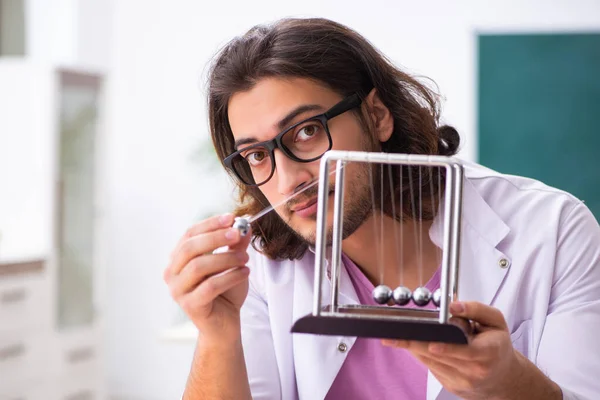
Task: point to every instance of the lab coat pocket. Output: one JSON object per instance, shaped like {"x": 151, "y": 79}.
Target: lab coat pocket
{"x": 521, "y": 337}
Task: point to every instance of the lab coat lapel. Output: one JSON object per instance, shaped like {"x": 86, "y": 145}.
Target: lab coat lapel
{"x": 480, "y": 273}
{"x": 317, "y": 359}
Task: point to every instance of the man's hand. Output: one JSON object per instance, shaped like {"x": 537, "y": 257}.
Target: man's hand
{"x": 209, "y": 287}
{"x": 488, "y": 367}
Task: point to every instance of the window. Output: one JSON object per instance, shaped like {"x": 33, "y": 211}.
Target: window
{"x": 12, "y": 28}
{"x": 76, "y": 205}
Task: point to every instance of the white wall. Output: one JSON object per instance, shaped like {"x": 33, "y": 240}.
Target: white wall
{"x": 26, "y": 163}
{"x": 157, "y": 117}
{"x": 28, "y": 120}
{"x": 61, "y": 33}
{"x": 73, "y": 33}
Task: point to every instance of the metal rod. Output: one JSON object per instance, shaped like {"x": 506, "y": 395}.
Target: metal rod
{"x": 388, "y": 158}
{"x": 447, "y": 246}
{"x": 338, "y": 228}
{"x": 456, "y": 227}
{"x": 321, "y": 241}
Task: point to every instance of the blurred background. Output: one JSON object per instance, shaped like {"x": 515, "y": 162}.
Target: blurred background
{"x": 105, "y": 157}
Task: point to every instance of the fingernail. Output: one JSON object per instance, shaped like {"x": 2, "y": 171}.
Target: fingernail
{"x": 394, "y": 342}
{"x": 231, "y": 234}
{"x": 436, "y": 348}
{"x": 225, "y": 219}
{"x": 457, "y": 308}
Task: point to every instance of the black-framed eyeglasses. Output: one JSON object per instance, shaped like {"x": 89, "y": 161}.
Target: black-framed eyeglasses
{"x": 304, "y": 142}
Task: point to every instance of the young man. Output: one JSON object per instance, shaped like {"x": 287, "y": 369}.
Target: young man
{"x": 282, "y": 95}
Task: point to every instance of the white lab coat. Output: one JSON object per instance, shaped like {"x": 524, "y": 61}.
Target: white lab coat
{"x": 548, "y": 291}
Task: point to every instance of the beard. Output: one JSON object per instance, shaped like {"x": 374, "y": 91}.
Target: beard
{"x": 357, "y": 205}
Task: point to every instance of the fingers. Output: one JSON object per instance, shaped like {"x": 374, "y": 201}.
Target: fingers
{"x": 207, "y": 225}
{"x": 400, "y": 344}
{"x": 439, "y": 366}
{"x": 201, "y": 268}
{"x": 468, "y": 327}
{"x": 211, "y": 224}
{"x": 216, "y": 285}
{"x": 481, "y": 313}
{"x": 414, "y": 346}
{"x": 206, "y": 237}
{"x": 432, "y": 349}
{"x": 201, "y": 245}
{"x": 243, "y": 241}
{"x": 441, "y": 369}
{"x": 456, "y": 351}
{"x": 484, "y": 347}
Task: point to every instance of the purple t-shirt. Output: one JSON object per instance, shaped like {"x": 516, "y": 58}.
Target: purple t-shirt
{"x": 374, "y": 371}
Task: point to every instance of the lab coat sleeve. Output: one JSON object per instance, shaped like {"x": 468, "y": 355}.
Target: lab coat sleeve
{"x": 257, "y": 341}
{"x": 569, "y": 349}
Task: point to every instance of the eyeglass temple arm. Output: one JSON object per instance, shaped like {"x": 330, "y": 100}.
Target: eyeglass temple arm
{"x": 344, "y": 105}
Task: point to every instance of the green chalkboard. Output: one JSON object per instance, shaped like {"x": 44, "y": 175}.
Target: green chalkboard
{"x": 539, "y": 109}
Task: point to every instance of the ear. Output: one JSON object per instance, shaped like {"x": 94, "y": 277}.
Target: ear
{"x": 381, "y": 117}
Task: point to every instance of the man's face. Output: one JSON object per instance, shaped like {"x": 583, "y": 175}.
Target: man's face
{"x": 256, "y": 114}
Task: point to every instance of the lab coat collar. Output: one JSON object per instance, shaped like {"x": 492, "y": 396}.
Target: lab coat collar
{"x": 482, "y": 266}
{"x": 477, "y": 214}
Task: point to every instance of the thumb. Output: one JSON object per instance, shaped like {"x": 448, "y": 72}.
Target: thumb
{"x": 244, "y": 241}
{"x": 479, "y": 312}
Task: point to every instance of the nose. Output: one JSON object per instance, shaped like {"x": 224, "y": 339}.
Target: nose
{"x": 290, "y": 174}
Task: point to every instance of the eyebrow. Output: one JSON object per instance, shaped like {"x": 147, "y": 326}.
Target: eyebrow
{"x": 284, "y": 122}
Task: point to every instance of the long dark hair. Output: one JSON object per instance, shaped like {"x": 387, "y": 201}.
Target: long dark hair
{"x": 346, "y": 62}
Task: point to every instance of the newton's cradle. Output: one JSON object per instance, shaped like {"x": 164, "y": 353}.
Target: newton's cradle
{"x": 384, "y": 321}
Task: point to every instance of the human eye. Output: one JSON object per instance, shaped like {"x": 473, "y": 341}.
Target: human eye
{"x": 307, "y": 132}
{"x": 255, "y": 157}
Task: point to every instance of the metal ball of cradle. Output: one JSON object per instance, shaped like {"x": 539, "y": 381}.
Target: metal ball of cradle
{"x": 401, "y": 295}
{"x": 242, "y": 225}
{"x": 421, "y": 296}
{"x": 382, "y": 294}
{"x": 437, "y": 297}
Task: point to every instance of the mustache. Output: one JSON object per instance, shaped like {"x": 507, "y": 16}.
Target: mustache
{"x": 308, "y": 194}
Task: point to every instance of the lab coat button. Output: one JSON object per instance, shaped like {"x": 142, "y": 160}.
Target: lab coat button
{"x": 342, "y": 347}
{"x": 503, "y": 263}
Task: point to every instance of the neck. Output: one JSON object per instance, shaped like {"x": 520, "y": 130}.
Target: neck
{"x": 403, "y": 255}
